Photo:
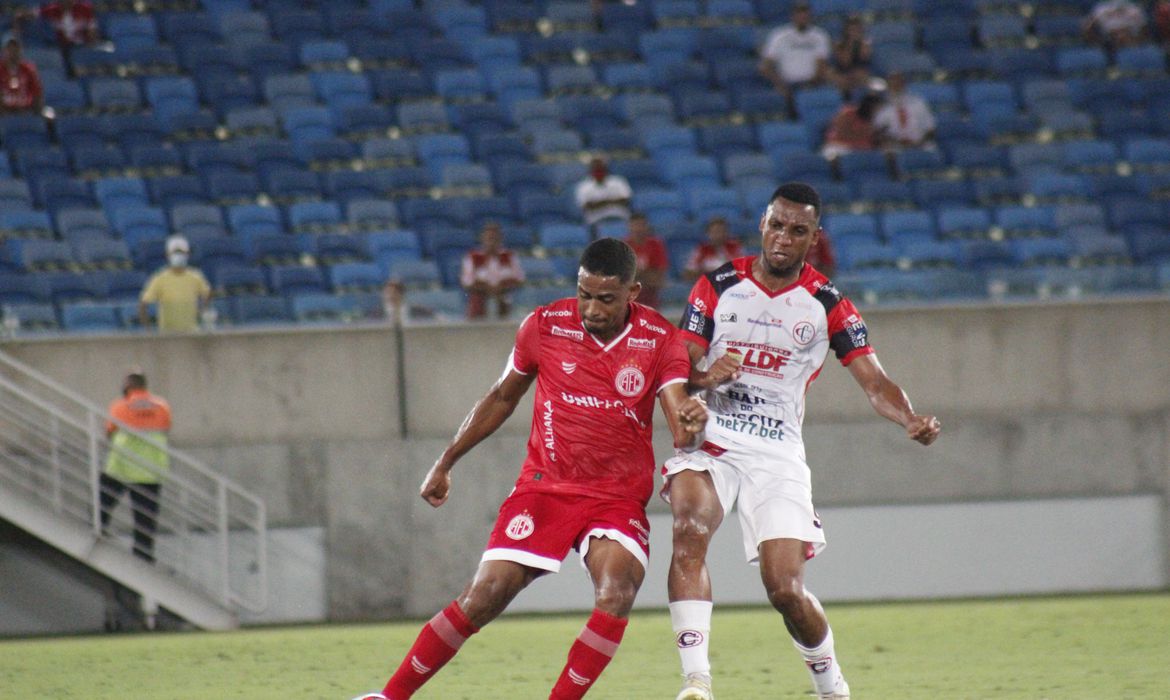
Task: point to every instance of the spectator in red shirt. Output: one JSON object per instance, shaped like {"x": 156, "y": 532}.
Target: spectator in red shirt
{"x": 20, "y": 84}
{"x": 852, "y": 128}
{"x": 719, "y": 249}
{"x": 490, "y": 272}
{"x": 650, "y": 252}
{"x": 73, "y": 21}
{"x": 820, "y": 255}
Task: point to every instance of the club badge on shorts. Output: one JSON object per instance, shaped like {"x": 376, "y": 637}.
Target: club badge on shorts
{"x": 520, "y": 526}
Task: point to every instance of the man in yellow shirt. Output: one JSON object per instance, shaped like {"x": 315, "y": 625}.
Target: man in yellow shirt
{"x": 180, "y": 291}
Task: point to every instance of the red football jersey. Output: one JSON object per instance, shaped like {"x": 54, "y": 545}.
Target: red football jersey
{"x": 591, "y": 424}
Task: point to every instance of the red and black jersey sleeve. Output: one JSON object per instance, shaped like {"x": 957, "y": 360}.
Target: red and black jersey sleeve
{"x": 698, "y": 320}
{"x": 848, "y": 336}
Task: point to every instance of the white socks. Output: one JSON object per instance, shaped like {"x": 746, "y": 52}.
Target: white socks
{"x": 691, "y": 621}
{"x": 822, "y": 665}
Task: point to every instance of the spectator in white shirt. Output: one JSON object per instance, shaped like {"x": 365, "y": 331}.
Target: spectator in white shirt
{"x": 905, "y": 120}
{"x": 490, "y": 272}
{"x": 1116, "y": 24}
{"x": 602, "y": 195}
{"x": 796, "y": 54}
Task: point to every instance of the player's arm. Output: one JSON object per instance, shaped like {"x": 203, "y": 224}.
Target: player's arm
{"x": 723, "y": 370}
{"x": 888, "y": 399}
{"x": 686, "y": 416}
{"x": 485, "y": 418}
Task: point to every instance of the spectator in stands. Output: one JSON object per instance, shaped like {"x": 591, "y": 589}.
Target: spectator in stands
{"x": 137, "y": 462}
{"x": 820, "y": 255}
{"x": 650, "y": 252}
{"x": 20, "y": 84}
{"x": 720, "y": 247}
{"x": 851, "y": 57}
{"x": 490, "y": 272}
{"x": 73, "y": 21}
{"x": 796, "y": 54}
{"x": 181, "y": 292}
{"x": 1116, "y": 24}
{"x": 602, "y": 195}
{"x": 852, "y": 128}
{"x": 904, "y": 119}
{"x": 1161, "y": 15}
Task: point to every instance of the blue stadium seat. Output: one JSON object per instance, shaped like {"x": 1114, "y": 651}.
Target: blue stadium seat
{"x": 136, "y": 224}
{"x": 564, "y": 237}
{"x": 239, "y": 280}
{"x": 314, "y": 217}
{"x": 296, "y": 279}
{"x": 247, "y": 221}
{"x": 966, "y": 222}
{"x": 931, "y": 194}
{"x": 1041, "y": 252}
{"x": 1081, "y": 62}
{"x": 76, "y": 224}
{"x": 334, "y": 248}
{"x": 23, "y": 223}
{"x": 14, "y": 194}
{"x": 91, "y": 317}
{"x": 114, "y": 95}
{"x": 660, "y": 206}
{"x": 1053, "y": 188}
{"x": 1019, "y": 221}
{"x": 861, "y": 255}
{"x": 259, "y": 310}
{"x": 851, "y": 227}
{"x": 540, "y": 209}
{"x": 415, "y": 274}
{"x": 193, "y": 219}
{"x": 422, "y": 117}
{"x": 923, "y": 253}
{"x": 342, "y": 90}
{"x": 115, "y": 192}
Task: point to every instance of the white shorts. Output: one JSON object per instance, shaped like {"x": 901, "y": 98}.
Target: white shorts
{"x": 771, "y": 492}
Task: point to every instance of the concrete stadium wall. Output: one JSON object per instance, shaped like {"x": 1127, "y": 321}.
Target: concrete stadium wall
{"x": 1040, "y": 401}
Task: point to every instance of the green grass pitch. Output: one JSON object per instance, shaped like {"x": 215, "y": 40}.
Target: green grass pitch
{"x": 1099, "y": 647}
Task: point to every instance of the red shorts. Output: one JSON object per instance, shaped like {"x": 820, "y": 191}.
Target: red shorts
{"x": 537, "y": 528}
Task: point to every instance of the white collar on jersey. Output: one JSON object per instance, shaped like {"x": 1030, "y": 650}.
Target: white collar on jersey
{"x": 625, "y": 331}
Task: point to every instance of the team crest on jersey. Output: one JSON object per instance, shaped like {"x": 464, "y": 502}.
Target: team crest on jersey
{"x": 569, "y": 367}
{"x": 520, "y": 526}
{"x": 629, "y": 381}
{"x": 803, "y": 333}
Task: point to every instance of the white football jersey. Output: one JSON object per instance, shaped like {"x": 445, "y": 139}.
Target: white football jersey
{"x": 783, "y": 337}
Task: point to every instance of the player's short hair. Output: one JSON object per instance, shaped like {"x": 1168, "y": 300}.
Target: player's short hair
{"x": 800, "y": 193}
{"x": 136, "y": 380}
{"x": 609, "y": 257}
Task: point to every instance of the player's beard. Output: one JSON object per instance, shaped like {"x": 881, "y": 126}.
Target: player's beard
{"x": 782, "y": 272}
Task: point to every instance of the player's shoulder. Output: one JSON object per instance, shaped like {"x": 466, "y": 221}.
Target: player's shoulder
{"x": 560, "y": 313}
{"x": 729, "y": 274}
{"x": 649, "y": 321}
{"x": 821, "y": 288}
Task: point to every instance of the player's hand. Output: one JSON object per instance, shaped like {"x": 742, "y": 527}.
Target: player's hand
{"x": 692, "y": 414}
{"x": 923, "y": 429}
{"x": 725, "y": 369}
{"x": 436, "y": 485}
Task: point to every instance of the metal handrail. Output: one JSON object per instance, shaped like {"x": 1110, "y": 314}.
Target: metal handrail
{"x": 208, "y": 509}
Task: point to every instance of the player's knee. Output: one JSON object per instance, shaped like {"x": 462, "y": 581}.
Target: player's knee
{"x": 786, "y": 594}
{"x": 692, "y": 532}
{"x": 486, "y": 598}
{"x": 616, "y": 596}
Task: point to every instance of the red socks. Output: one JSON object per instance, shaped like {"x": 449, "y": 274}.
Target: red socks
{"x": 589, "y": 655}
{"x": 440, "y": 639}
{"x": 436, "y": 644}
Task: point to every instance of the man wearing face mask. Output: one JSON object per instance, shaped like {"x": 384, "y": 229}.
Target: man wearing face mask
{"x": 180, "y": 291}
{"x": 602, "y": 195}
